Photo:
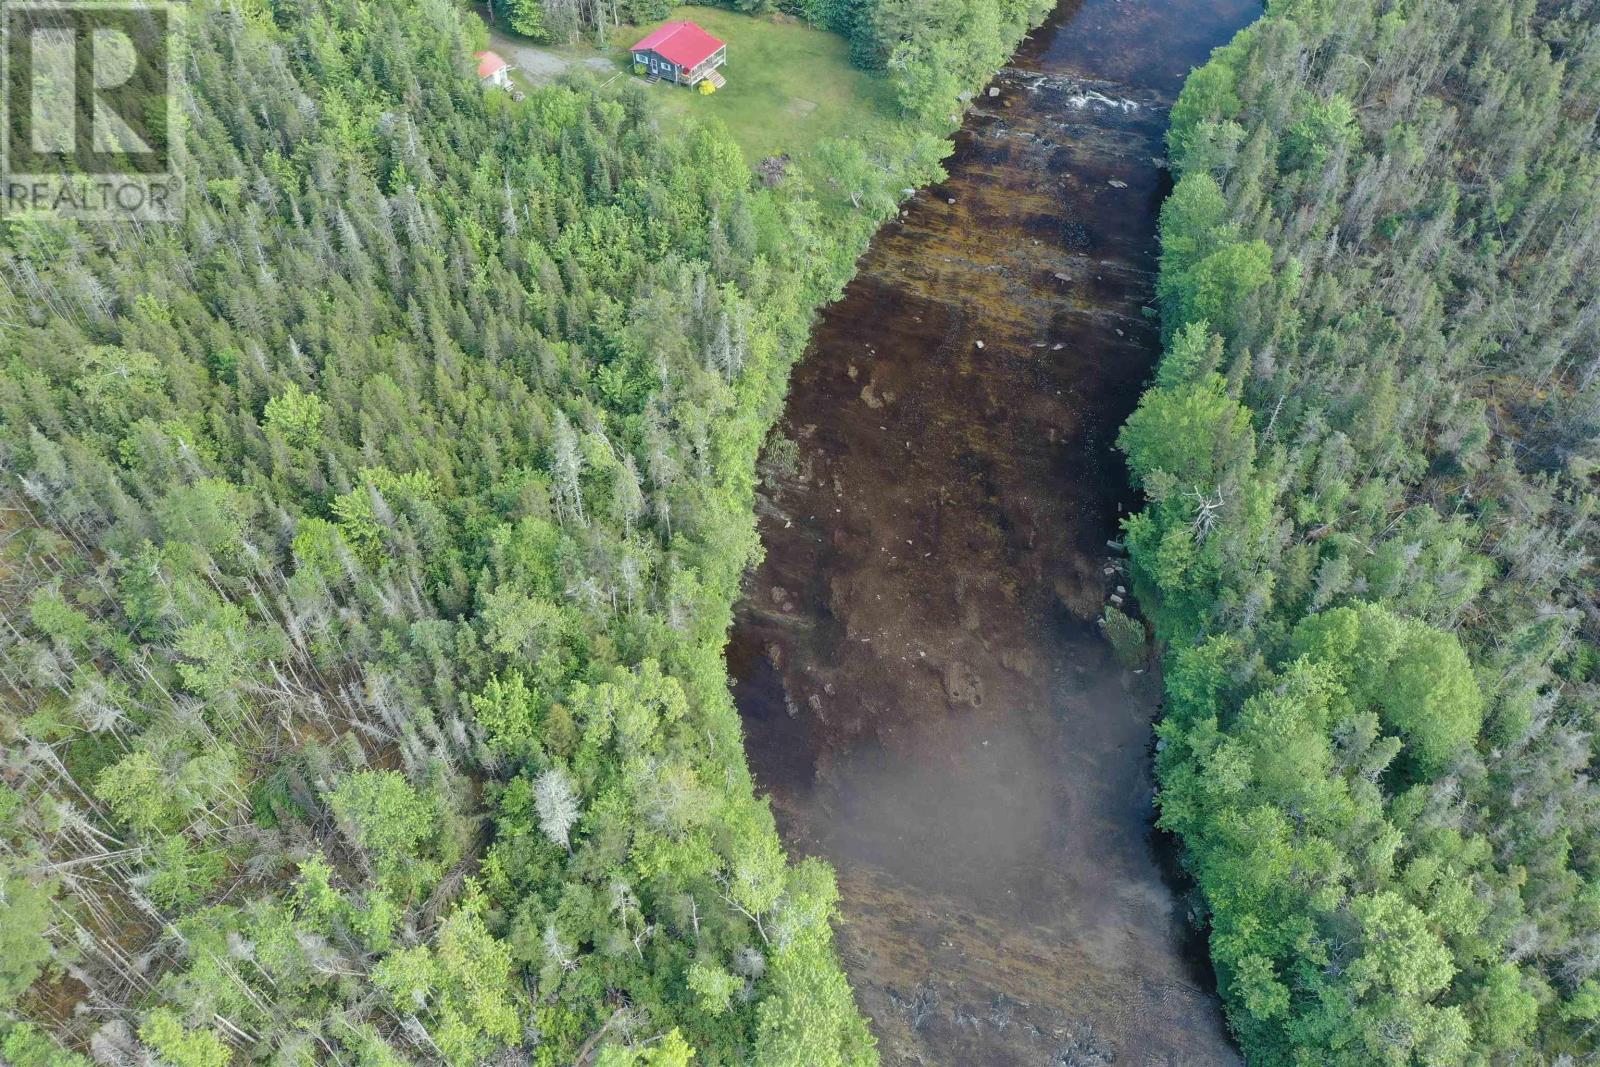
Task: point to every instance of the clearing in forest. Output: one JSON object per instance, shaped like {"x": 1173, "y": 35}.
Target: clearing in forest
{"x": 790, "y": 85}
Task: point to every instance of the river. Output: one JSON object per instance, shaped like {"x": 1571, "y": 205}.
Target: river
{"x": 926, "y": 699}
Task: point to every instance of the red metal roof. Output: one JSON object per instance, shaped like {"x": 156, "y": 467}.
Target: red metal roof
{"x": 489, "y": 64}
{"x": 682, "y": 43}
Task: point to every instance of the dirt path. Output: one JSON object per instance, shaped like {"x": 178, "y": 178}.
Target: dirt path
{"x": 536, "y": 62}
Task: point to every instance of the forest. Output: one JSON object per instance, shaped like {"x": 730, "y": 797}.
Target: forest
{"x": 1368, "y": 541}
{"x": 370, "y": 540}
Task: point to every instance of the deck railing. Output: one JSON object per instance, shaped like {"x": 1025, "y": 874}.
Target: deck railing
{"x": 715, "y": 60}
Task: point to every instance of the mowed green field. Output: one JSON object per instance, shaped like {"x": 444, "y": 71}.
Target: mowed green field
{"x": 789, "y": 85}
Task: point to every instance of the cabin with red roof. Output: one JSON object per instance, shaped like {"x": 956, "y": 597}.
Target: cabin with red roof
{"x": 493, "y": 69}
{"x": 681, "y": 52}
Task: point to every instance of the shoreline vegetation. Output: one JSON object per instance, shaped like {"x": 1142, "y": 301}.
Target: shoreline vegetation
{"x": 1369, "y": 458}
{"x": 371, "y": 538}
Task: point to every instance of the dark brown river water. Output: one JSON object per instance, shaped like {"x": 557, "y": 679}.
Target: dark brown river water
{"x": 926, "y": 699}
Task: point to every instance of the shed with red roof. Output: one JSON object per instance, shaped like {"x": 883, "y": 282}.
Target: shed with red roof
{"x": 681, "y": 52}
{"x": 493, "y": 69}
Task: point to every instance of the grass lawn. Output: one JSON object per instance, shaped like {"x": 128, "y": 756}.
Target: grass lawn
{"x": 789, "y": 85}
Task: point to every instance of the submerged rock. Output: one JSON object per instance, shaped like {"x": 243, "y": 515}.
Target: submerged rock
{"x": 962, "y": 684}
